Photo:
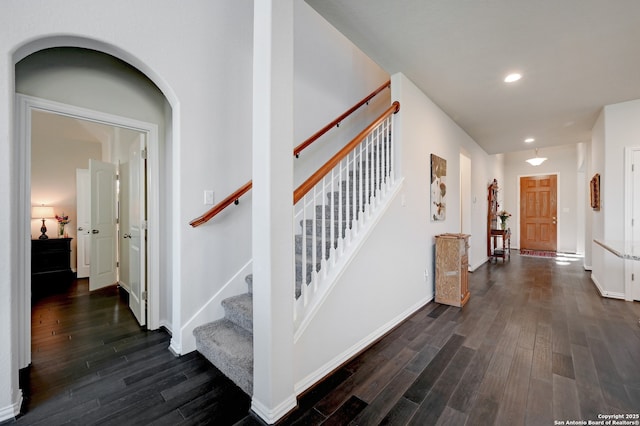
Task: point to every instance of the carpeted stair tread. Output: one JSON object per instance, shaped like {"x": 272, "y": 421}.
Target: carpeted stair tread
{"x": 239, "y": 309}
{"x": 230, "y": 348}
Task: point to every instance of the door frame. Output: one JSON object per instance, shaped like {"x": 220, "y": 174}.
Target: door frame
{"x": 24, "y": 107}
{"x": 629, "y": 265}
{"x": 558, "y": 204}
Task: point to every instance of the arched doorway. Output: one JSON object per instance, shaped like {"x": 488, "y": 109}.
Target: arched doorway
{"x": 85, "y": 83}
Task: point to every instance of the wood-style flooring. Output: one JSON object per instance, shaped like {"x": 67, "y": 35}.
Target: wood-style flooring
{"x": 535, "y": 344}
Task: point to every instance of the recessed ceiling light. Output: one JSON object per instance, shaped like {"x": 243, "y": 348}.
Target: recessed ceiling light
{"x": 512, "y": 77}
{"x": 529, "y": 140}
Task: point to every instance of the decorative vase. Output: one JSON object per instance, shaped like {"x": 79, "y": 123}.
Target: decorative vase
{"x": 61, "y": 230}
{"x": 503, "y": 224}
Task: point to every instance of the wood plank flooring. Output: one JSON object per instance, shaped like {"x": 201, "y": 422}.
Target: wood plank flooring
{"x": 536, "y": 343}
{"x": 93, "y": 364}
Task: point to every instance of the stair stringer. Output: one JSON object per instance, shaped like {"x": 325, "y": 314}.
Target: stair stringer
{"x": 212, "y": 309}
{"x": 327, "y": 282}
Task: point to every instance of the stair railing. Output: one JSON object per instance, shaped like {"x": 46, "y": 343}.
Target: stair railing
{"x": 336, "y": 123}
{"x": 231, "y": 199}
{"x": 336, "y": 202}
{"x": 235, "y": 196}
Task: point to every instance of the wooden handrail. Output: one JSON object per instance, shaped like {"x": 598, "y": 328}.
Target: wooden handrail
{"x": 338, "y": 120}
{"x": 233, "y": 198}
{"x": 307, "y": 185}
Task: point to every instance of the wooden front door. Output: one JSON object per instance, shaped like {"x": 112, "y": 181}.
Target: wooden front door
{"x": 538, "y": 212}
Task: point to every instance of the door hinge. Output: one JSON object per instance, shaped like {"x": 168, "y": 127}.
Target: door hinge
{"x": 633, "y": 277}
{"x": 117, "y": 264}
{"x": 143, "y": 224}
{"x": 144, "y": 295}
{"x": 143, "y": 154}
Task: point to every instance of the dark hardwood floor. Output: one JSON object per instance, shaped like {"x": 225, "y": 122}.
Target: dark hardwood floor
{"x": 536, "y": 343}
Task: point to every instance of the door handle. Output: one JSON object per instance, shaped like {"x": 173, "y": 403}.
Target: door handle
{"x": 95, "y": 231}
{"x": 126, "y": 236}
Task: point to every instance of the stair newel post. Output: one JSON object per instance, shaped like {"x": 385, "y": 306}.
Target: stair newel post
{"x": 392, "y": 154}
{"x": 387, "y": 155}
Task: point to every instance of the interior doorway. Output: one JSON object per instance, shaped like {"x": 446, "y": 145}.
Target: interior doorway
{"x": 538, "y": 212}
{"x": 27, "y": 107}
{"x": 466, "y": 202}
{"x": 632, "y": 222}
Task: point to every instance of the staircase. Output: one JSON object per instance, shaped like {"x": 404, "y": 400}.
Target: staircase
{"x": 228, "y": 343}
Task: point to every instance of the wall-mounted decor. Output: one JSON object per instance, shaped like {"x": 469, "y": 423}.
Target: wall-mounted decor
{"x": 438, "y": 188}
{"x": 595, "y": 191}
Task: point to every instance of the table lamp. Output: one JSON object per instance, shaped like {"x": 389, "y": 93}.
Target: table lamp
{"x": 42, "y": 212}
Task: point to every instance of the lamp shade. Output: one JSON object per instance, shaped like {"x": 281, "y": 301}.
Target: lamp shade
{"x": 42, "y": 212}
{"x": 536, "y": 161}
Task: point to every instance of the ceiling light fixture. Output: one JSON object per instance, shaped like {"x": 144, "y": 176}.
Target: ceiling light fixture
{"x": 512, "y": 77}
{"x": 529, "y": 140}
{"x": 536, "y": 161}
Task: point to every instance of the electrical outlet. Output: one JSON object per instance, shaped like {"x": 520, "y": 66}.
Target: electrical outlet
{"x": 208, "y": 197}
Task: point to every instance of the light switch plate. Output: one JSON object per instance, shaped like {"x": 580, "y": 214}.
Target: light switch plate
{"x": 208, "y": 197}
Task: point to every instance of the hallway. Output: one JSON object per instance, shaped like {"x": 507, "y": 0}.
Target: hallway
{"x": 535, "y": 343}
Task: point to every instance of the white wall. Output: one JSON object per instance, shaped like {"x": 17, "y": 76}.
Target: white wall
{"x": 330, "y": 75}
{"x": 617, "y": 127}
{"x": 562, "y": 161}
{"x": 385, "y": 281}
{"x": 200, "y": 58}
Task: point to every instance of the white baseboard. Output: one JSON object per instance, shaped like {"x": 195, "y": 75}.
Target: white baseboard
{"x": 475, "y": 266}
{"x": 11, "y": 411}
{"x": 271, "y": 416}
{"x": 345, "y": 356}
{"x": 604, "y": 293}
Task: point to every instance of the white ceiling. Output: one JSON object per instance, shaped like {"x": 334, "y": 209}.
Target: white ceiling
{"x": 575, "y": 57}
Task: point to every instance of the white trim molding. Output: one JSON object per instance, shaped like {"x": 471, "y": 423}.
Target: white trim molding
{"x": 272, "y": 416}
{"x": 11, "y": 411}
{"x": 24, "y": 106}
{"x": 354, "y": 350}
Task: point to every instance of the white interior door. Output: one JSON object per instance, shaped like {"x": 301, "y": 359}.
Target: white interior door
{"x": 137, "y": 230}
{"x": 83, "y": 218}
{"x": 103, "y": 224}
{"x": 123, "y": 223}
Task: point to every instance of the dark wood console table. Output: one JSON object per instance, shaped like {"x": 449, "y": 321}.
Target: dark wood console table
{"x": 50, "y": 265}
{"x": 503, "y": 252}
